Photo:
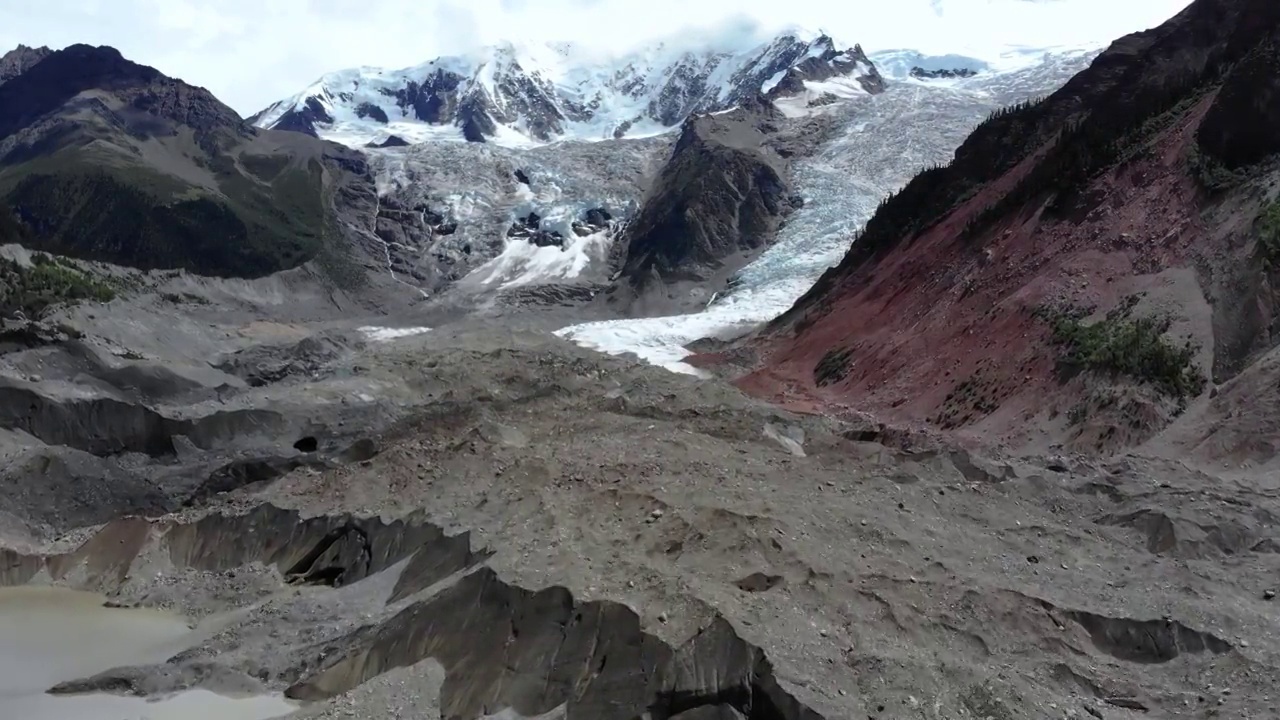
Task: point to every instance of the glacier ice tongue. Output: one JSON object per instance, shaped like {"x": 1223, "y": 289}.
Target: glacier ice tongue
{"x": 884, "y": 141}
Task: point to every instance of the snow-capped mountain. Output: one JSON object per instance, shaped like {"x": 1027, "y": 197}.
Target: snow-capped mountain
{"x": 530, "y": 94}
{"x": 904, "y": 64}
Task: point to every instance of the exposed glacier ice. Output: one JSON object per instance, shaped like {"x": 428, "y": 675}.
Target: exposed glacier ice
{"x": 474, "y": 185}
{"x": 773, "y": 81}
{"x": 523, "y": 263}
{"x": 385, "y": 334}
{"x": 811, "y": 100}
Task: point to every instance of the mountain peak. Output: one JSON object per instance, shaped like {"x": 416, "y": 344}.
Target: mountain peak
{"x": 522, "y": 93}
{"x": 22, "y": 49}
{"x": 19, "y": 60}
{"x": 53, "y": 78}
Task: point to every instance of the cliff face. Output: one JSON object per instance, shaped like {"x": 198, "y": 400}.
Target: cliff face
{"x": 1084, "y": 267}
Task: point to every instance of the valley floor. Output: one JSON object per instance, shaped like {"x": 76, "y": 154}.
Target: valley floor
{"x": 733, "y": 554}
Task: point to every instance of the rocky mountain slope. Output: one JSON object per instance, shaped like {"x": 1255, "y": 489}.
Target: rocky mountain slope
{"x": 1091, "y": 269}
{"x": 513, "y": 94}
{"x": 716, "y": 204}
{"x": 108, "y": 160}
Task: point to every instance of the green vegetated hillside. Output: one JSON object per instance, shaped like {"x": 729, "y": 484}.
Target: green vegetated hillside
{"x": 47, "y": 281}
{"x": 104, "y": 159}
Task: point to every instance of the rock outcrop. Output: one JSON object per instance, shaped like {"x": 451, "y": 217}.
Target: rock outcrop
{"x": 529, "y": 228}
{"x": 19, "y": 60}
{"x": 826, "y": 64}
{"x": 388, "y": 142}
{"x": 715, "y": 205}
{"x": 942, "y": 73}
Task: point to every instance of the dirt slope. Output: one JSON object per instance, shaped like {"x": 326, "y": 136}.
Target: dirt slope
{"x": 1083, "y": 273}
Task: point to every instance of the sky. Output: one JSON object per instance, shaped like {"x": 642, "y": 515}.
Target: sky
{"x": 251, "y": 53}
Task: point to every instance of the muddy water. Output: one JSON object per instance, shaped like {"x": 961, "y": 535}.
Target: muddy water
{"x": 51, "y": 635}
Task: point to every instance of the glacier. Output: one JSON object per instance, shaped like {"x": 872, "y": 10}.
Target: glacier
{"x": 884, "y": 141}
{"x": 474, "y": 185}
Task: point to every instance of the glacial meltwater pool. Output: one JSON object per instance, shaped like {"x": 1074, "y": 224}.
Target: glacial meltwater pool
{"x": 52, "y": 635}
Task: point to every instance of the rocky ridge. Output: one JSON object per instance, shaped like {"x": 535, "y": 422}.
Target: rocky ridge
{"x": 19, "y": 60}
{"x": 716, "y": 204}
{"x": 942, "y": 73}
{"x": 515, "y": 94}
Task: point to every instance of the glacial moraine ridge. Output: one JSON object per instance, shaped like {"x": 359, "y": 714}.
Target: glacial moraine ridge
{"x": 502, "y": 646}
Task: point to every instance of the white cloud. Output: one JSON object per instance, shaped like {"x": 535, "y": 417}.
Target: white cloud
{"x": 252, "y": 52}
